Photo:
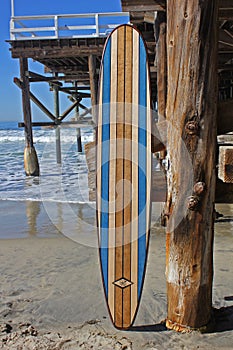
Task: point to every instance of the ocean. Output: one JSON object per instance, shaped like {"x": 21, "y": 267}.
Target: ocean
{"x": 61, "y": 183}
{"x": 56, "y": 202}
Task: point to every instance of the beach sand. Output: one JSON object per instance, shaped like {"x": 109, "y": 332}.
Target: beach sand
{"x": 51, "y": 294}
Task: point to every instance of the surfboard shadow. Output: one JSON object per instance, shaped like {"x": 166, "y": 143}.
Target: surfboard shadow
{"x": 160, "y": 327}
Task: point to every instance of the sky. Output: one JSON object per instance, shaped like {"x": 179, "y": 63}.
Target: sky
{"x": 10, "y": 95}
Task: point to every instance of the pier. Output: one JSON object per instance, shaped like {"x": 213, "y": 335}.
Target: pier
{"x": 190, "y": 48}
{"x": 70, "y": 48}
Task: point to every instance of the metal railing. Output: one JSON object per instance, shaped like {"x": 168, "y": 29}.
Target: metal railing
{"x": 65, "y": 26}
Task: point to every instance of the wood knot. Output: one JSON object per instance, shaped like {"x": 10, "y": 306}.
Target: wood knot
{"x": 199, "y": 188}
{"x": 192, "y": 128}
{"x": 193, "y": 202}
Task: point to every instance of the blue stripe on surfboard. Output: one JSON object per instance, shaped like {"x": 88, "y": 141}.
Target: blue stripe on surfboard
{"x": 105, "y": 163}
{"x": 142, "y": 162}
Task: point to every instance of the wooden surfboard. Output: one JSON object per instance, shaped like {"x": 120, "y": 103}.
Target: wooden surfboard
{"x": 123, "y": 171}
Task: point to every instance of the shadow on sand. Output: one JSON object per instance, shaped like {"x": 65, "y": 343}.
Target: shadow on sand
{"x": 224, "y": 317}
{"x": 160, "y": 327}
{"x": 223, "y": 321}
{"x": 225, "y": 219}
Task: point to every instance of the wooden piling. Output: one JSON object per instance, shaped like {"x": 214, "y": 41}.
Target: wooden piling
{"x": 191, "y": 116}
{"x": 57, "y": 129}
{"x": 31, "y": 164}
{"x": 93, "y": 83}
{"x": 78, "y": 130}
{"x": 161, "y": 65}
{"x": 161, "y": 62}
{"x": 78, "y": 134}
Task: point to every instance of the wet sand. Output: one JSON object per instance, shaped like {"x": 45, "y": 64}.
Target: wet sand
{"x": 51, "y": 291}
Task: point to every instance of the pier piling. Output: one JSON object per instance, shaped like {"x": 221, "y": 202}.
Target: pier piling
{"x": 191, "y": 113}
{"x": 31, "y": 164}
{"x": 57, "y": 128}
{"x": 78, "y": 130}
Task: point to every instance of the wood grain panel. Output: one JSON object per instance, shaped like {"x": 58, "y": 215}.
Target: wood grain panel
{"x": 120, "y": 174}
{"x": 112, "y": 175}
{"x": 134, "y": 208}
{"x": 127, "y": 175}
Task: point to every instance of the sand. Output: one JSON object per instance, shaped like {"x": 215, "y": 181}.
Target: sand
{"x": 51, "y": 294}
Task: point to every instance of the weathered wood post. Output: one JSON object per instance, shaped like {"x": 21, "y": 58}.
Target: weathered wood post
{"x": 57, "y": 129}
{"x": 93, "y": 83}
{"x": 191, "y": 116}
{"x": 161, "y": 62}
{"x": 31, "y": 164}
{"x": 79, "y": 137}
{"x": 78, "y": 130}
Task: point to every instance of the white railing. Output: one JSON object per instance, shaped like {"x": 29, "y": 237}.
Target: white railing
{"x": 65, "y": 26}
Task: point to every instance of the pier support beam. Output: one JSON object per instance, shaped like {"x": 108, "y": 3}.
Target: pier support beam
{"x": 93, "y": 83}
{"x": 161, "y": 63}
{"x": 191, "y": 116}
{"x": 31, "y": 164}
{"x": 78, "y": 130}
{"x": 57, "y": 130}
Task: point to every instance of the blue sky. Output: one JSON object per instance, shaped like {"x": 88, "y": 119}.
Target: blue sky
{"x": 10, "y": 96}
